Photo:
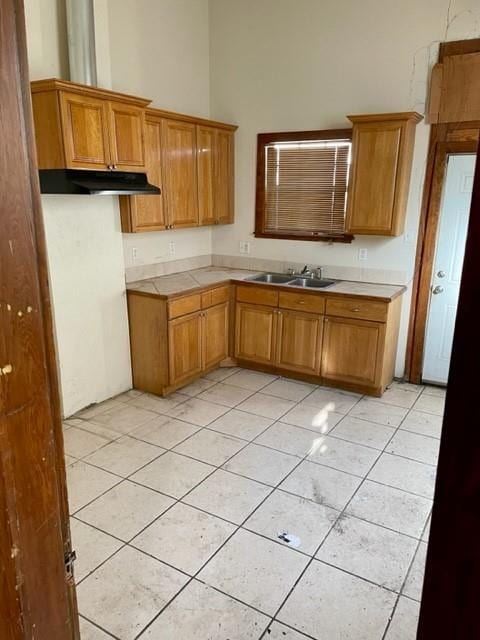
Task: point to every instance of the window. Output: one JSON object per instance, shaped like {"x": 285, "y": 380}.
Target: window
{"x": 302, "y": 181}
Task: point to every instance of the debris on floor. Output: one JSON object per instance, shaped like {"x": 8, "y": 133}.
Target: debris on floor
{"x": 290, "y": 538}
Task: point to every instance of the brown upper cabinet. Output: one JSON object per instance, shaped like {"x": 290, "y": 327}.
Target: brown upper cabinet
{"x": 179, "y": 173}
{"x": 192, "y": 161}
{"x": 382, "y": 152}
{"x": 147, "y": 213}
{"x": 80, "y": 127}
{"x": 215, "y": 175}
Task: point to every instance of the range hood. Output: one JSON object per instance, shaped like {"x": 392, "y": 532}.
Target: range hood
{"x": 95, "y": 183}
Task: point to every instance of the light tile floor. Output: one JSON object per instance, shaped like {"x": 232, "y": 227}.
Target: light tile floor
{"x": 177, "y": 507}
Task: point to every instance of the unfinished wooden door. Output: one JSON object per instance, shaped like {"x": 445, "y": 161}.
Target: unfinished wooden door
{"x": 36, "y": 599}
{"x": 299, "y": 341}
{"x": 179, "y": 152}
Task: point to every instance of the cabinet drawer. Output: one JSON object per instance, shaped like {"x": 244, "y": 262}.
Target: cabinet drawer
{"x": 182, "y": 306}
{"x": 301, "y": 302}
{"x": 357, "y": 308}
{"x": 258, "y": 295}
{"x": 215, "y": 296}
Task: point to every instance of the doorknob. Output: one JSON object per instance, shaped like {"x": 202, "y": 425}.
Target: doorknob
{"x": 436, "y": 290}
{"x": 441, "y": 274}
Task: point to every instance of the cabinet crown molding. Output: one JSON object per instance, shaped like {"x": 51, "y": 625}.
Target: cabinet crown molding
{"x": 412, "y": 116}
{"x": 55, "y": 84}
{"x": 153, "y": 112}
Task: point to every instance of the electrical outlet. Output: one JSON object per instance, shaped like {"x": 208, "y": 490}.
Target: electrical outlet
{"x": 362, "y": 254}
{"x": 134, "y": 253}
{"x": 171, "y": 248}
{"x": 244, "y": 247}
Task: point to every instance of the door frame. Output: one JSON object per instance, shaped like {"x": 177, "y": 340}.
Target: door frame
{"x": 466, "y": 141}
{"x": 453, "y": 137}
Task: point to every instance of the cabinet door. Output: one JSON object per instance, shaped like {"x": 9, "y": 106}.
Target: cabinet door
{"x": 376, "y": 149}
{"x": 185, "y": 347}
{"x": 299, "y": 341}
{"x": 180, "y": 173}
{"x": 224, "y": 177}
{"x": 205, "y": 172}
{"x": 352, "y": 351}
{"x": 255, "y": 333}
{"x": 127, "y": 126}
{"x": 85, "y": 130}
{"x": 215, "y": 335}
{"x": 145, "y": 213}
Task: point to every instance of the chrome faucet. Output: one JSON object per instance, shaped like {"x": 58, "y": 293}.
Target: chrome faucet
{"x": 316, "y": 273}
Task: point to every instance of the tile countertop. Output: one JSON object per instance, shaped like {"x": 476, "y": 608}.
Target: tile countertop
{"x": 189, "y": 281}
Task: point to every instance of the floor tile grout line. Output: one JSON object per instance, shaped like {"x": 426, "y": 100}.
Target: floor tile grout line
{"x": 200, "y": 428}
{"x": 277, "y": 487}
{"x": 194, "y": 577}
{"x": 129, "y": 477}
{"x": 128, "y": 434}
{"x": 329, "y": 506}
{"x": 342, "y": 514}
{"x": 220, "y": 404}
{"x": 238, "y": 527}
{"x": 97, "y": 626}
{"x": 339, "y": 517}
{"x": 400, "y": 593}
{"x": 176, "y": 501}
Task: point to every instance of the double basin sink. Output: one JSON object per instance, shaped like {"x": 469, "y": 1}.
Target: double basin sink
{"x": 293, "y": 280}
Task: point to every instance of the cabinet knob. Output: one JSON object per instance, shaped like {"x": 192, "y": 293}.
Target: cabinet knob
{"x": 355, "y": 309}
{"x": 301, "y": 302}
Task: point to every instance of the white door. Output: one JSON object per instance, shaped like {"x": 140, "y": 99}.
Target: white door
{"x": 448, "y": 264}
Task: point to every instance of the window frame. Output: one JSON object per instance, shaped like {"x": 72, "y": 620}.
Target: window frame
{"x": 264, "y": 139}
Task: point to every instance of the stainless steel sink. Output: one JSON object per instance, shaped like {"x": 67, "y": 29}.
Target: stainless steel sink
{"x": 310, "y": 283}
{"x": 273, "y": 278}
{"x": 292, "y": 281}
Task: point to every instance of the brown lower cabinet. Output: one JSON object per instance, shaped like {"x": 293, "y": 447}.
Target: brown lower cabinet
{"x": 352, "y": 350}
{"x": 299, "y": 341}
{"x": 174, "y": 341}
{"x": 345, "y": 342}
{"x": 341, "y": 341}
{"x": 282, "y": 338}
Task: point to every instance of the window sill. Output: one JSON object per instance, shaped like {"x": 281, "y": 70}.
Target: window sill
{"x": 345, "y": 238}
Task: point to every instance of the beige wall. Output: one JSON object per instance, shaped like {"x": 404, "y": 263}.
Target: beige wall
{"x": 85, "y": 253}
{"x": 156, "y": 49}
{"x": 160, "y": 50}
{"x": 304, "y": 64}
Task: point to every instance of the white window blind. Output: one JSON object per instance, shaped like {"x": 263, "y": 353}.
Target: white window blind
{"x": 306, "y": 187}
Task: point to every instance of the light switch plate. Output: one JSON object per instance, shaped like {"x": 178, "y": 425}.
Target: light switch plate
{"x": 171, "y": 248}
{"x": 244, "y": 247}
